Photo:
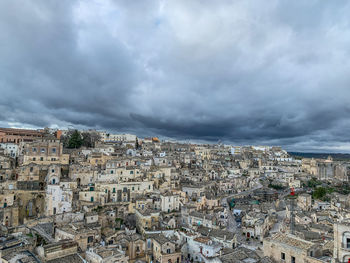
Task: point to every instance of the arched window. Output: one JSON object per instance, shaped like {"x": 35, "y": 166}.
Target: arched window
{"x": 346, "y": 240}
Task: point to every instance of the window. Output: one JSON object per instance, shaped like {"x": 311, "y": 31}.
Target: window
{"x": 34, "y": 159}
{"x": 41, "y": 158}
{"x": 111, "y": 171}
{"x": 283, "y": 256}
{"x": 90, "y": 239}
{"x": 42, "y": 150}
{"x": 53, "y": 150}
{"x": 31, "y": 169}
{"x": 348, "y": 243}
{"x": 292, "y": 259}
{"x": 168, "y": 251}
{"x": 34, "y": 150}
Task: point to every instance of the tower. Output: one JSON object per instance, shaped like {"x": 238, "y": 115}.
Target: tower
{"x": 292, "y": 199}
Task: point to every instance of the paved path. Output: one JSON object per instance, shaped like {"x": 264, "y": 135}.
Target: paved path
{"x": 280, "y": 217}
{"x": 231, "y": 223}
{"x": 43, "y": 233}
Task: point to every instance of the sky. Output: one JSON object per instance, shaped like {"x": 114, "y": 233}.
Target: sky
{"x": 243, "y": 72}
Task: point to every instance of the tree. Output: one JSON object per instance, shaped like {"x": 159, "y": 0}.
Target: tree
{"x": 75, "y": 140}
{"x": 65, "y": 138}
{"x": 313, "y": 182}
{"x": 319, "y": 193}
{"x": 137, "y": 144}
{"x": 90, "y": 138}
{"x": 277, "y": 186}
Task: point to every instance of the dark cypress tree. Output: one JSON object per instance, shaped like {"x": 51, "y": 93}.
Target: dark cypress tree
{"x": 137, "y": 144}
{"x": 75, "y": 140}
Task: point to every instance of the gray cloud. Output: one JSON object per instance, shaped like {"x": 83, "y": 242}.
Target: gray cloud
{"x": 244, "y": 72}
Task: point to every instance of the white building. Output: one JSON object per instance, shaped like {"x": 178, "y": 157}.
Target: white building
{"x": 58, "y": 198}
{"x": 170, "y": 202}
{"x": 107, "y": 137}
{"x": 200, "y": 249}
{"x": 10, "y": 149}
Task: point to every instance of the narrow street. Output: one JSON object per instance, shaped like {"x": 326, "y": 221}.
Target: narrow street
{"x": 280, "y": 216}
{"x": 232, "y": 224}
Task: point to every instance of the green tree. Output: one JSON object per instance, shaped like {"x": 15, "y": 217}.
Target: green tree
{"x": 319, "y": 193}
{"x": 137, "y": 144}
{"x": 313, "y": 182}
{"x": 277, "y": 186}
{"x": 65, "y": 138}
{"x": 75, "y": 140}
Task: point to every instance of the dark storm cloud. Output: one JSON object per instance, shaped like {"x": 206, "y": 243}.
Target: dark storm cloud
{"x": 272, "y": 72}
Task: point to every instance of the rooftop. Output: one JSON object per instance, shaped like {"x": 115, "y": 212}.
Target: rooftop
{"x": 292, "y": 241}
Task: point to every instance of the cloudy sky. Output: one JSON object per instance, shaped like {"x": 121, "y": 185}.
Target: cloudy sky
{"x": 245, "y": 72}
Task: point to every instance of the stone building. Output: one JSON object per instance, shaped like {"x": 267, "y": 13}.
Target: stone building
{"x": 341, "y": 251}
{"x": 18, "y": 135}
{"x": 86, "y": 235}
{"x": 57, "y": 250}
{"x": 304, "y": 202}
{"x": 44, "y": 152}
{"x": 290, "y": 249}
{"x": 146, "y": 219}
{"x": 106, "y": 255}
{"x": 164, "y": 250}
